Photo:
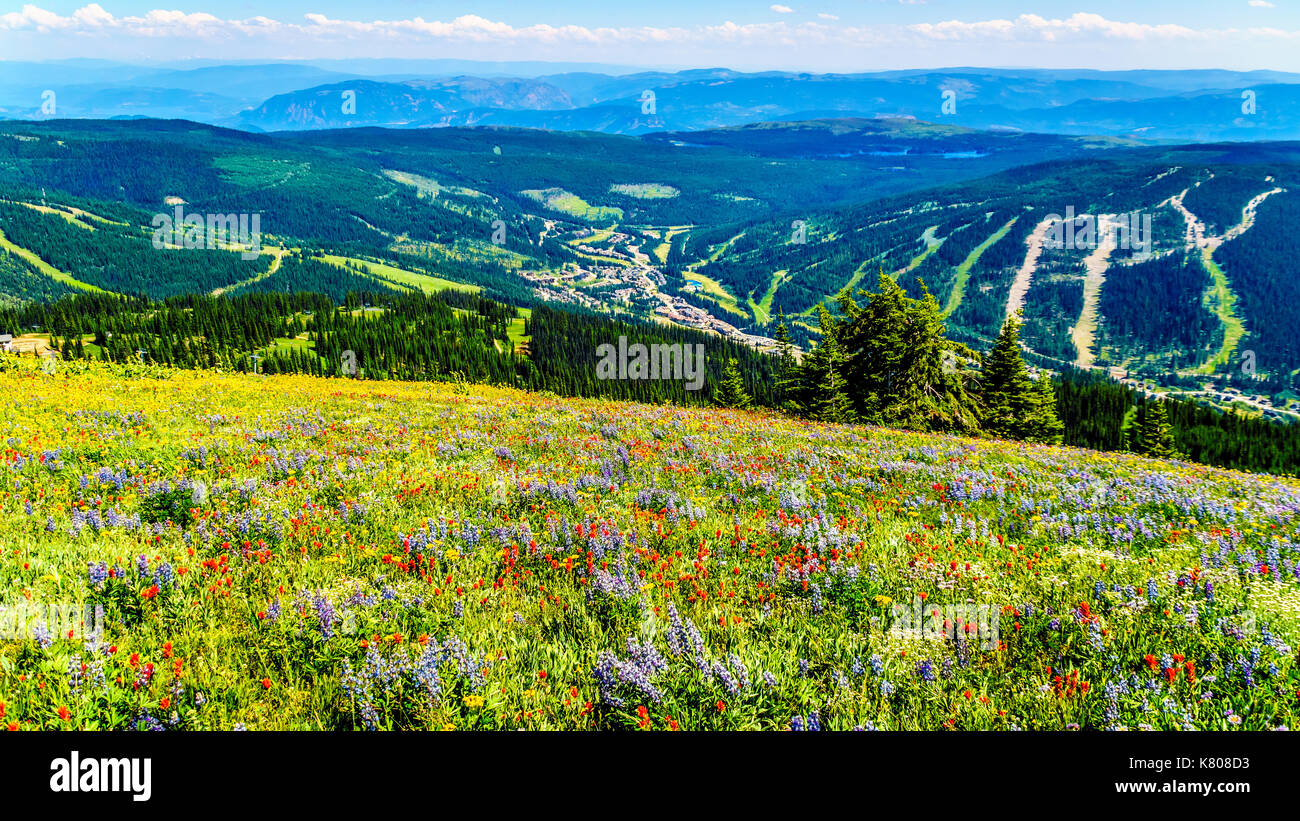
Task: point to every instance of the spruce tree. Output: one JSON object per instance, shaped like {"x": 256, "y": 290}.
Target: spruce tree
{"x": 895, "y": 353}
{"x": 787, "y": 377}
{"x": 1008, "y": 395}
{"x": 1045, "y": 425}
{"x": 824, "y": 386}
{"x": 838, "y": 406}
{"x": 811, "y": 375}
{"x": 1157, "y": 439}
{"x": 1132, "y": 429}
{"x": 731, "y": 393}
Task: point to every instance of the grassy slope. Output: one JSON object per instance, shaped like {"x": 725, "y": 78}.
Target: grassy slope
{"x": 45, "y": 268}
{"x": 963, "y": 270}
{"x": 885, "y": 500}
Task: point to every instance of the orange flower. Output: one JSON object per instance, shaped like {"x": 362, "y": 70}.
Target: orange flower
{"x": 266, "y": 684}
{"x": 64, "y": 714}
{"x": 722, "y": 706}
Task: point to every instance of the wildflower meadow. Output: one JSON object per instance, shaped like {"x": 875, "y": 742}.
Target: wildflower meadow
{"x": 301, "y": 553}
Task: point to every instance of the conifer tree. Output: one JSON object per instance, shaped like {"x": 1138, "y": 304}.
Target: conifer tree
{"x": 811, "y": 376}
{"x": 1155, "y": 436}
{"x": 826, "y": 386}
{"x": 731, "y": 393}
{"x": 1009, "y": 396}
{"x": 1045, "y": 425}
{"x": 895, "y": 350}
{"x": 1132, "y": 430}
{"x": 787, "y": 377}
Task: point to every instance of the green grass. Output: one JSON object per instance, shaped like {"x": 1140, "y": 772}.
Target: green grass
{"x": 762, "y": 310}
{"x": 963, "y": 270}
{"x": 46, "y": 268}
{"x": 427, "y": 283}
{"x": 932, "y": 244}
{"x": 516, "y": 330}
{"x": 596, "y": 237}
{"x": 357, "y": 524}
{"x": 1222, "y": 301}
{"x": 566, "y": 202}
{"x": 287, "y": 345}
{"x": 424, "y": 186}
{"x": 716, "y": 292}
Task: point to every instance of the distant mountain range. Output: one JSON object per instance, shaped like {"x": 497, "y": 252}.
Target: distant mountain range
{"x": 1155, "y": 106}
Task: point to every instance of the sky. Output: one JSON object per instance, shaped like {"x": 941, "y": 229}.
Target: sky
{"x": 826, "y": 35}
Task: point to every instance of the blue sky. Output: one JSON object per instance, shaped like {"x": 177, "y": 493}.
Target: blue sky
{"x": 827, "y": 35}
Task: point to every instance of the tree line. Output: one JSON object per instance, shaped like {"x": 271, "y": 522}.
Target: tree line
{"x": 884, "y": 358}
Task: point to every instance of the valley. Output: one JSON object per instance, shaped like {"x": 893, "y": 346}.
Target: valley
{"x": 691, "y": 233}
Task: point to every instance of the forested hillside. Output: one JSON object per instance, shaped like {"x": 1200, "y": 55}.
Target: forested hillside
{"x": 510, "y": 256}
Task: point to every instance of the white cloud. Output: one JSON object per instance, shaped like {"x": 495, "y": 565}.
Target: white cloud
{"x": 780, "y": 9}
{"x": 799, "y": 40}
{"x": 826, "y": 16}
{"x": 1032, "y": 27}
{"x": 1261, "y": 4}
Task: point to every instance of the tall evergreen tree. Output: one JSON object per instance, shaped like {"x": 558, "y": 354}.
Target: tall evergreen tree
{"x": 1155, "y": 437}
{"x": 787, "y": 377}
{"x": 826, "y": 387}
{"x": 895, "y": 351}
{"x": 1131, "y": 428}
{"x": 1045, "y": 425}
{"x": 1006, "y": 390}
{"x": 731, "y": 393}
